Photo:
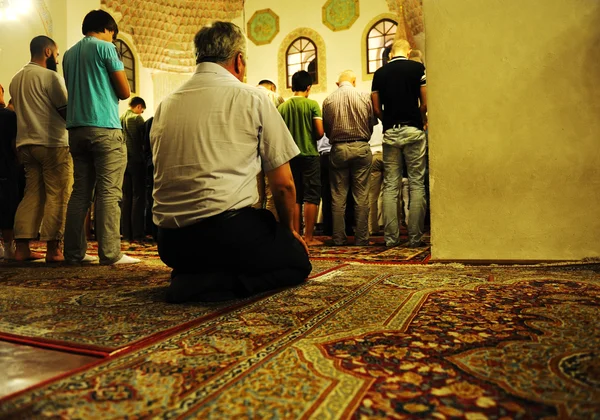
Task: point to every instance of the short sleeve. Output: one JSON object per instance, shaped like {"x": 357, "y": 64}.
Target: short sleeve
{"x": 316, "y": 110}
{"x": 276, "y": 145}
{"x": 423, "y": 78}
{"x": 57, "y": 91}
{"x": 108, "y": 53}
{"x": 375, "y": 84}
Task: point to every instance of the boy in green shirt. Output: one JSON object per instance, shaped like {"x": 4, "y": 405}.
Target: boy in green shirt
{"x": 304, "y": 120}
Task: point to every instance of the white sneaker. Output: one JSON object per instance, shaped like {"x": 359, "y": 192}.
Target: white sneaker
{"x": 126, "y": 260}
{"x": 89, "y": 258}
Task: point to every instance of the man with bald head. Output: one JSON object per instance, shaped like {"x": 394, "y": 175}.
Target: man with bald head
{"x": 348, "y": 121}
{"x": 399, "y": 96}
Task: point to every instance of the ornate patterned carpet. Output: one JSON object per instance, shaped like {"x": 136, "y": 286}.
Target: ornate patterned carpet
{"x": 97, "y": 309}
{"x": 363, "y": 341}
{"x": 377, "y": 253}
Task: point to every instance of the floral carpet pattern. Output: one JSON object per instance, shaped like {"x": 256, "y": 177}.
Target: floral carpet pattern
{"x": 363, "y": 341}
{"x": 97, "y": 309}
{"x": 376, "y": 253}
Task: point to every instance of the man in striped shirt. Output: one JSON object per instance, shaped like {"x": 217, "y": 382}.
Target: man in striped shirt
{"x": 348, "y": 120}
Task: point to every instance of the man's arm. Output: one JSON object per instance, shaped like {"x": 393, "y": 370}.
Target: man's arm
{"x": 57, "y": 92}
{"x": 120, "y": 84}
{"x": 377, "y": 105}
{"x": 327, "y": 126}
{"x": 282, "y": 186}
{"x": 423, "y": 92}
{"x": 318, "y": 131}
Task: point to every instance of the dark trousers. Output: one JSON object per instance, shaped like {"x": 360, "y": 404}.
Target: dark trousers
{"x": 149, "y": 227}
{"x": 233, "y": 254}
{"x": 134, "y": 201}
{"x": 326, "y": 196}
{"x": 12, "y": 189}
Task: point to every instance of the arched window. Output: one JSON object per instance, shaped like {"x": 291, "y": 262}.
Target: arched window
{"x": 380, "y": 36}
{"x": 126, "y": 56}
{"x": 301, "y": 55}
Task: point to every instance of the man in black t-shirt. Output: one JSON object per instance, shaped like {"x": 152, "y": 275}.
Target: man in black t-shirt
{"x": 400, "y": 101}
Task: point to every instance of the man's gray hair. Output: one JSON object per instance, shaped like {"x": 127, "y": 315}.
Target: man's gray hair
{"x": 219, "y": 42}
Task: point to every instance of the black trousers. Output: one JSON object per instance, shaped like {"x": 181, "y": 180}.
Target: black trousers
{"x": 242, "y": 252}
{"x": 326, "y": 196}
{"x": 134, "y": 201}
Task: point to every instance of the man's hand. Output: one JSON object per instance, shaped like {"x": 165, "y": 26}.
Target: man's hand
{"x": 297, "y": 236}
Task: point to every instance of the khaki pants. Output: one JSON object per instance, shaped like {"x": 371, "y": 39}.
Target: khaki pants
{"x": 48, "y": 184}
{"x": 350, "y": 168}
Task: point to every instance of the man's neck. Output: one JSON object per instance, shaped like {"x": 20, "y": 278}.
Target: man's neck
{"x": 39, "y": 61}
{"x": 303, "y": 94}
{"x": 98, "y": 35}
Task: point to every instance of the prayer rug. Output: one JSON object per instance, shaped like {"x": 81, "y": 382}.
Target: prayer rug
{"x": 377, "y": 253}
{"x": 364, "y": 341}
{"x": 97, "y": 309}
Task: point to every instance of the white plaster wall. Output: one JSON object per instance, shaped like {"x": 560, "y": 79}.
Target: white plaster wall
{"x": 14, "y": 45}
{"x": 514, "y": 106}
{"x": 343, "y": 48}
{"x": 76, "y": 11}
{"x": 145, "y": 84}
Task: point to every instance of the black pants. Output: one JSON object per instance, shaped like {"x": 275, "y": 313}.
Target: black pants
{"x": 326, "y": 196}
{"x": 12, "y": 189}
{"x": 241, "y": 253}
{"x": 134, "y": 201}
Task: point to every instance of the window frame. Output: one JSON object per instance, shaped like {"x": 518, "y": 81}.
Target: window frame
{"x": 288, "y": 76}
{"x": 124, "y": 50}
{"x": 381, "y": 34}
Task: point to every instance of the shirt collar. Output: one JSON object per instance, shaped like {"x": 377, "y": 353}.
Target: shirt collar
{"x": 399, "y": 57}
{"x": 208, "y": 67}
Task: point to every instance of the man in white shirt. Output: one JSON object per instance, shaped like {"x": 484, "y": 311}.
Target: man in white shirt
{"x": 40, "y": 99}
{"x": 209, "y": 140}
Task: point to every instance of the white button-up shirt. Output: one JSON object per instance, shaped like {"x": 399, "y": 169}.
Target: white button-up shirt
{"x": 209, "y": 139}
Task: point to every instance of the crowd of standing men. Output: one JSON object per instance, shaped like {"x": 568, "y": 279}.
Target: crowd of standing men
{"x": 205, "y": 164}
{"x": 72, "y": 155}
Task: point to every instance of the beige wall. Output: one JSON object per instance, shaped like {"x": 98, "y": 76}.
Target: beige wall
{"x": 67, "y": 16}
{"x": 343, "y": 47}
{"x": 514, "y": 110}
{"x": 14, "y": 45}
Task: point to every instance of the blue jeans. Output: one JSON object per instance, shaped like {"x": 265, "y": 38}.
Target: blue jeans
{"x": 99, "y": 160}
{"x": 404, "y": 144}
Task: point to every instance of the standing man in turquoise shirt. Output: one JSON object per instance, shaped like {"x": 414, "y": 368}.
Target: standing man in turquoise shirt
{"x": 305, "y": 122}
{"x": 96, "y": 80}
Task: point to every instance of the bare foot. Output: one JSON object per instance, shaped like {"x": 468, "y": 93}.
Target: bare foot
{"x": 56, "y": 257}
{"x": 312, "y": 242}
{"x": 28, "y": 256}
